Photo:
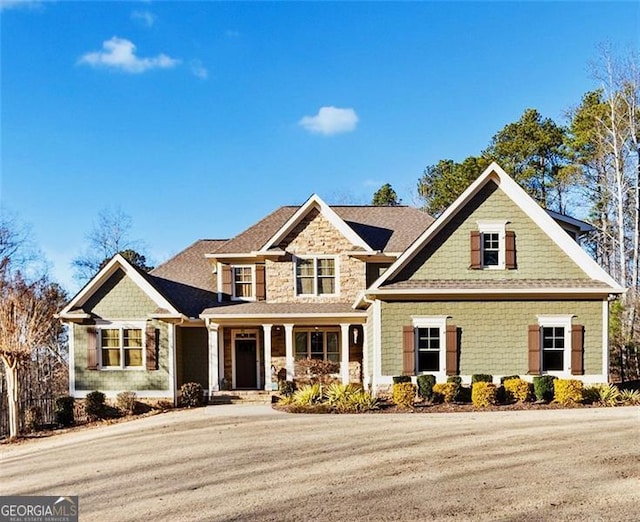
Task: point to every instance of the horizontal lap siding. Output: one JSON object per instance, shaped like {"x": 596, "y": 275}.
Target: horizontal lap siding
{"x": 494, "y": 333}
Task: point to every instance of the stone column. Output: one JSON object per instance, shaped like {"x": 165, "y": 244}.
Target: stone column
{"x": 288, "y": 343}
{"x": 214, "y": 370}
{"x": 267, "y": 356}
{"x": 344, "y": 352}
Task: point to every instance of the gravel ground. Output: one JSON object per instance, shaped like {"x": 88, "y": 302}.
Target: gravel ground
{"x": 253, "y": 463}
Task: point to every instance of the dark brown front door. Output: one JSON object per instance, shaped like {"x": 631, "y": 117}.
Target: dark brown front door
{"x": 246, "y": 351}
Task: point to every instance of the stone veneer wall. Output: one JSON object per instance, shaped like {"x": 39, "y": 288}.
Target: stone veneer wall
{"x": 315, "y": 235}
{"x": 494, "y": 333}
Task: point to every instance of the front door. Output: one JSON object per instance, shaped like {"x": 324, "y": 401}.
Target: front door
{"x": 246, "y": 362}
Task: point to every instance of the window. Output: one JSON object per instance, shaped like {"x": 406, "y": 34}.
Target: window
{"x": 121, "y": 347}
{"x": 428, "y": 349}
{"x": 490, "y": 249}
{"x": 323, "y": 345}
{"x": 492, "y": 246}
{"x": 555, "y": 343}
{"x": 552, "y": 348}
{"x": 242, "y": 282}
{"x": 316, "y": 276}
{"x": 430, "y": 344}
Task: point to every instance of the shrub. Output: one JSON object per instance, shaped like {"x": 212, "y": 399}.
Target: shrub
{"x": 446, "y": 391}
{"x": 608, "y": 395}
{"x": 94, "y": 405}
{"x": 483, "y": 394}
{"x": 191, "y": 395}
{"x": 308, "y": 395}
{"x": 543, "y": 387}
{"x": 516, "y": 389}
{"x": 630, "y": 397}
{"x": 568, "y": 391}
{"x": 508, "y": 378}
{"x": 63, "y": 410}
{"x": 397, "y": 379}
{"x": 33, "y": 418}
{"x": 591, "y": 394}
{"x": 126, "y": 402}
{"x": 317, "y": 371}
{"x": 287, "y": 388}
{"x": 338, "y": 394}
{"x": 425, "y": 386}
{"x": 362, "y": 401}
{"x": 481, "y": 377}
{"x": 403, "y": 394}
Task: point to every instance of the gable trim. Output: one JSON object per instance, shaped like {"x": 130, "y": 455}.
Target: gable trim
{"x": 116, "y": 262}
{"x": 528, "y": 205}
{"x": 315, "y": 202}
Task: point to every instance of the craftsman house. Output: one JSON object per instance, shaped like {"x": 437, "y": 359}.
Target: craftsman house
{"x": 495, "y": 285}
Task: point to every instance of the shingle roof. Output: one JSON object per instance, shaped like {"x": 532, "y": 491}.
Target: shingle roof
{"x": 264, "y": 308}
{"x": 389, "y": 229}
{"x": 186, "y": 279}
{"x": 495, "y": 284}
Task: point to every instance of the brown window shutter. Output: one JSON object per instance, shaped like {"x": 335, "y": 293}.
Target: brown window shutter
{"x": 476, "y": 261}
{"x": 153, "y": 336}
{"x": 261, "y": 294}
{"x": 452, "y": 350}
{"x": 408, "y": 350}
{"x": 92, "y": 349}
{"x": 577, "y": 340}
{"x": 226, "y": 282}
{"x": 510, "y": 249}
{"x": 534, "y": 349}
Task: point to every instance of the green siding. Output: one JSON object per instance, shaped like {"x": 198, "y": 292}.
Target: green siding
{"x": 120, "y": 298}
{"x": 494, "y": 333}
{"x": 447, "y": 256}
{"x": 369, "y": 337}
{"x": 121, "y": 380}
{"x": 192, "y": 356}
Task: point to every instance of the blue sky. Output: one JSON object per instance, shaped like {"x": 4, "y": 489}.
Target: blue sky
{"x": 199, "y": 118}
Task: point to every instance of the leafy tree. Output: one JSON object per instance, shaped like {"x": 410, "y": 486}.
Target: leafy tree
{"x": 532, "y": 151}
{"x": 110, "y": 235}
{"x": 385, "y": 196}
{"x": 443, "y": 182}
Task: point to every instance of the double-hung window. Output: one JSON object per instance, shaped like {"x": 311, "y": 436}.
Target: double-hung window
{"x": 121, "y": 347}
{"x": 316, "y": 276}
{"x": 555, "y": 343}
{"x": 430, "y": 344}
{"x": 243, "y": 282}
{"x": 492, "y": 243}
{"x": 321, "y": 344}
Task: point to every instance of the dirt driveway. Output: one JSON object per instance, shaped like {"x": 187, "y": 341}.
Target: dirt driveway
{"x": 251, "y": 463}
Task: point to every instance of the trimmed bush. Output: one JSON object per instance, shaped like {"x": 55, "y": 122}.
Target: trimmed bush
{"x": 403, "y": 394}
{"x": 94, "y": 405}
{"x": 481, "y": 377}
{"x": 425, "y": 386}
{"x": 516, "y": 390}
{"x": 126, "y": 402}
{"x": 483, "y": 394}
{"x": 191, "y": 395}
{"x": 446, "y": 391}
{"x": 397, "y": 379}
{"x": 63, "y": 410}
{"x": 543, "y": 387}
{"x": 508, "y": 378}
{"x": 568, "y": 391}
{"x": 287, "y": 388}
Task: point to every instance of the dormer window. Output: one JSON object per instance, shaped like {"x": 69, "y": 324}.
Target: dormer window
{"x": 242, "y": 282}
{"x": 316, "y": 276}
{"x": 492, "y": 246}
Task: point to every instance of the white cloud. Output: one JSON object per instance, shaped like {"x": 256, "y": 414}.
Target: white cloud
{"x": 330, "y": 120}
{"x": 199, "y": 70}
{"x": 119, "y": 53}
{"x": 146, "y": 18}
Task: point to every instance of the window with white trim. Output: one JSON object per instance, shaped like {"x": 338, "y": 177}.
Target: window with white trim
{"x": 321, "y": 344}
{"x": 121, "y": 347}
{"x": 555, "y": 343}
{"x": 430, "y": 344}
{"x": 492, "y": 243}
{"x": 243, "y": 280}
{"x": 316, "y": 276}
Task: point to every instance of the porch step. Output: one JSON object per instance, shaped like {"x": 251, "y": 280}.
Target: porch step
{"x": 241, "y": 397}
